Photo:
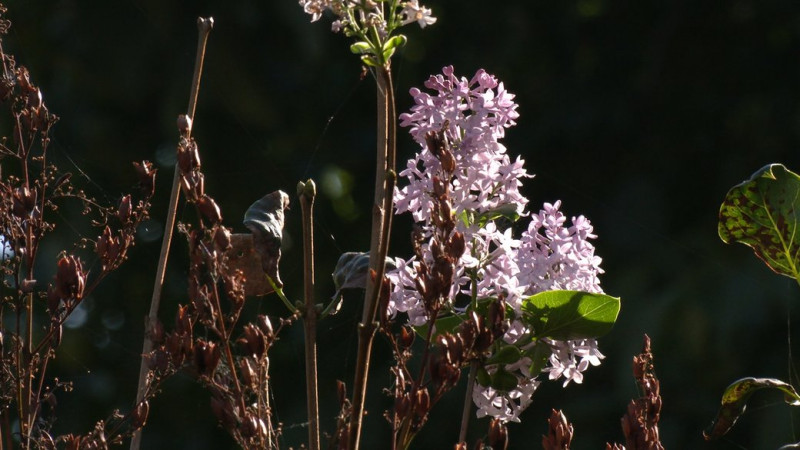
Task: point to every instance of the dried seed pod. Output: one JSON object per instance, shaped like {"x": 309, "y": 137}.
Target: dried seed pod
{"x": 456, "y": 245}
{"x": 248, "y": 372}
{"x": 70, "y": 278}
{"x": 139, "y": 415}
{"x": 422, "y": 402}
{"x": 406, "y": 337}
{"x": 183, "y": 321}
{"x": 184, "y": 124}
{"x": 188, "y": 156}
{"x": 125, "y": 209}
{"x": 341, "y": 392}
{"x": 222, "y": 238}
{"x": 209, "y": 209}
{"x": 265, "y": 326}
{"x": 147, "y": 177}
{"x": 253, "y": 341}
{"x": 498, "y": 435}
{"x": 206, "y": 357}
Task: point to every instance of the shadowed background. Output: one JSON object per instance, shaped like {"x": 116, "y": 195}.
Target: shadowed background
{"x": 638, "y": 114}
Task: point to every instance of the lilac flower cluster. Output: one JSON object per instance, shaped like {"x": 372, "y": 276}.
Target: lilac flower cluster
{"x": 484, "y": 188}
{"x": 354, "y": 14}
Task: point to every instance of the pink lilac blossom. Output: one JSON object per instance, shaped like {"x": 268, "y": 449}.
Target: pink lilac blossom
{"x": 550, "y": 254}
{"x": 474, "y": 115}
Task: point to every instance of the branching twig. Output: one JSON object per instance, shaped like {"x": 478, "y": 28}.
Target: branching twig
{"x": 379, "y": 246}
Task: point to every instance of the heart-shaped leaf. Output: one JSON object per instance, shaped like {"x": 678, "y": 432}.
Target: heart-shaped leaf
{"x": 567, "y": 315}
{"x": 763, "y": 213}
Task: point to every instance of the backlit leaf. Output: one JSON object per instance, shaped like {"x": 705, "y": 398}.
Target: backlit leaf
{"x": 763, "y": 213}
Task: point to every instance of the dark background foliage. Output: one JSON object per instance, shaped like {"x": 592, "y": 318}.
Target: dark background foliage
{"x": 638, "y": 114}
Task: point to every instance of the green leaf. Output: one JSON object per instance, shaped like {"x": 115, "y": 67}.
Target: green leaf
{"x": 361, "y": 48}
{"x": 395, "y": 42}
{"x": 506, "y": 211}
{"x": 503, "y": 380}
{"x": 507, "y": 354}
{"x": 763, "y": 213}
{"x": 734, "y": 402}
{"x": 482, "y": 377}
{"x": 449, "y": 322}
{"x": 538, "y": 356}
{"x": 566, "y": 315}
{"x": 446, "y": 324}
